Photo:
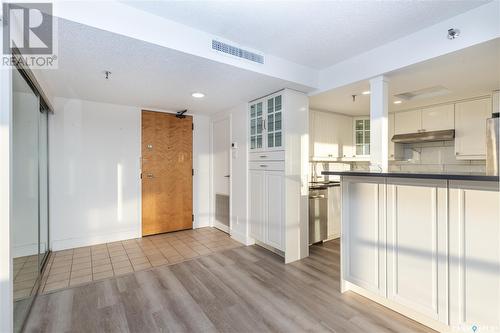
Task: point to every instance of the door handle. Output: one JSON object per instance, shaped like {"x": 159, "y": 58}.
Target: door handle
{"x": 227, "y": 176}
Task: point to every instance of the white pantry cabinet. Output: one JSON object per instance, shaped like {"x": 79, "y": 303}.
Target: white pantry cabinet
{"x": 470, "y": 129}
{"x": 256, "y": 203}
{"x": 267, "y": 209}
{"x": 266, "y": 123}
{"x": 278, "y": 173}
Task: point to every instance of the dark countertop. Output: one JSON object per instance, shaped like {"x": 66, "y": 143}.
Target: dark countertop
{"x": 323, "y": 185}
{"x": 430, "y": 175}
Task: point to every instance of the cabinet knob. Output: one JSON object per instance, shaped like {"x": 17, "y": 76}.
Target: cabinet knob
{"x": 263, "y": 166}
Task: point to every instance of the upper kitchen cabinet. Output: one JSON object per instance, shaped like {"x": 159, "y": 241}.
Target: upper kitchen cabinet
{"x": 438, "y": 118}
{"x": 395, "y": 150}
{"x": 470, "y": 128}
{"x": 362, "y": 136}
{"x": 407, "y": 122}
{"x": 330, "y": 136}
{"x": 266, "y": 123}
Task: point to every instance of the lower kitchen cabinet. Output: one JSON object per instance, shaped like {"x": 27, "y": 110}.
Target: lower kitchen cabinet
{"x": 475, "y": 256}
{"x": 267, "y": 207}
{"x": 416, "y": 245}
{"x": 363, "y": 238}
{"x": 427, "y": 248}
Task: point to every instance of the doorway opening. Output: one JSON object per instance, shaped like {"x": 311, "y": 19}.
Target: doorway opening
{"x": 221, "y": 147}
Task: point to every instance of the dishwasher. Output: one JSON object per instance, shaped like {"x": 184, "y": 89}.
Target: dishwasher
{"x": 318, "y": 215}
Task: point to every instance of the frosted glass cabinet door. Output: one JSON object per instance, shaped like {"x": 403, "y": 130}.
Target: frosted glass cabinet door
{"x": 274, "y": 122}
{"x": 257, "y": 125}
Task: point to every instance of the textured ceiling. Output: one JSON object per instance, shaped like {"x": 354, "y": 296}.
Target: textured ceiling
{"x": 147, "y": 75}
{"x": 317, "y": 34}
{"x": 467, "y": 73}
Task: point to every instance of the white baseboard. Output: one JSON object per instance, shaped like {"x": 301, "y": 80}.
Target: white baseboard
{"x": 24, "y": 250}
{"x": 412, "y": 314}
{"x": 243, "y": 239}
{"x": 64, "y": 244}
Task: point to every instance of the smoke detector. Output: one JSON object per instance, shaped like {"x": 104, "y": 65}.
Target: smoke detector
{"x": 453, "y": 33}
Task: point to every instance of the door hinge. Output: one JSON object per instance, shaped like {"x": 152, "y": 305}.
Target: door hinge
{"x": 192, "y": 218}
{"x": 141, "y": 175}
{"x": 192, "y": 126}
{"x": 192, "y": 172}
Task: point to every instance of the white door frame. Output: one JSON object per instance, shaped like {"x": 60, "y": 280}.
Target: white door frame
{"x": 214, "y": 223}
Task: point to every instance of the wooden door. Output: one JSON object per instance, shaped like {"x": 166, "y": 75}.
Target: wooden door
{"x": 167, "y": 181}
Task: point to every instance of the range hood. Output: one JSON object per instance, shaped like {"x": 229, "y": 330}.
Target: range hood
{"x": 430, "y": 136}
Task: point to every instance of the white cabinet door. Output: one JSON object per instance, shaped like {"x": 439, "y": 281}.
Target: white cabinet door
{"x": 363, "y": 233}
{"x": 275, "y": 218}
{"x": 470, "y": 128}
{"x": 324, "y": 146}
{"x": 408, "y": 122}
{"x": 416, "y": 220}
{"x": 438, "y": 118}
{"x": 474, "y": 256}
{"x": 391, "y": 134}
{"x": 256, "y": 214}
{"x": 343, "y": 127}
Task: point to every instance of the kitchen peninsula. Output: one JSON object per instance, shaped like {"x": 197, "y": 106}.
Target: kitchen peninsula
{"x": 425, "y": 245}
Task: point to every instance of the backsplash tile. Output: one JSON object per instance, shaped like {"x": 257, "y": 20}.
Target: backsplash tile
{"x": 434, "y": 157}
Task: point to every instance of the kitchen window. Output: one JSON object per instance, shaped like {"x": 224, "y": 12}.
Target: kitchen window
{"x": 362, "y": 136}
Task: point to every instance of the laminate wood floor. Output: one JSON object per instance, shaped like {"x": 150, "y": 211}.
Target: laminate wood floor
{"x": 245, "y": 289}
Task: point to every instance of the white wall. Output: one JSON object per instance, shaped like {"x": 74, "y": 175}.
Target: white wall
{"x": 95, "y": 186}
{"x": 239, "y": 175}
{"x": 201, "y": 165}
{"x": 94, "y": 173}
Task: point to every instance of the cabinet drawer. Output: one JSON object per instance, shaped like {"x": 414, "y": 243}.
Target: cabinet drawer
{"x": 278, "y": 155}
{"x": 267, "y": 165}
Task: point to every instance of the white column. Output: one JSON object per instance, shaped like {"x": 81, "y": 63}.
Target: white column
{"x": 379, "y": 123}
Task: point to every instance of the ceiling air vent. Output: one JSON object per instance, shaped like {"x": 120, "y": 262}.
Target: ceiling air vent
{"x": 424, "y": 93}
{"x": 236, "y": 51}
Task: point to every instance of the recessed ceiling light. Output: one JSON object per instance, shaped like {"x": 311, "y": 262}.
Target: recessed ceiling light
{"x": 398, "y": 102}
{"x": 198, "y": 95}
{"x": 366, "y": 92}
